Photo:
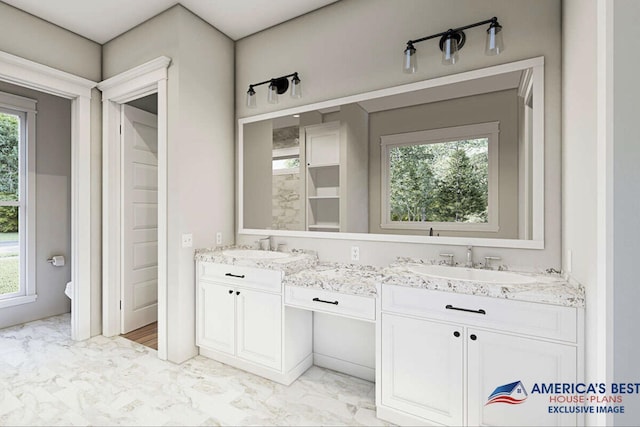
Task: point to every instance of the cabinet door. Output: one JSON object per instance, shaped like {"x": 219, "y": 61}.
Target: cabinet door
{"x": 259, "y": 325}
{"x": 216, "y": 317}
{"x": 422, "y": 368}
{"x": 496, "y": 360}
{"x": 323, "y": 144}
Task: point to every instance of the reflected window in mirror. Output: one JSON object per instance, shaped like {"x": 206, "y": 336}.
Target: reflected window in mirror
{"x": 287, "y": 211}
{"x": 441, "y": 178}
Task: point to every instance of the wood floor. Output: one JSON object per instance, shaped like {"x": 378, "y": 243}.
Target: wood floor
{"x": 147, "y": 335}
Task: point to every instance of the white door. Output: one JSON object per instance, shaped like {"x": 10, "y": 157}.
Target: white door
{"x": 422, "y": 367}
{"x": 139, "y": 218}
{"x": 498, "y": 360}
{"x": 259, "y": 325}
{"x": 216, "y": 317}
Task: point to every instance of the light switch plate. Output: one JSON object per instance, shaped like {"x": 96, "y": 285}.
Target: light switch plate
{"x": 187, "y": 240}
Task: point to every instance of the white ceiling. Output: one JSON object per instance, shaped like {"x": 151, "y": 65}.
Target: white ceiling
{"x": 102, "y": 20}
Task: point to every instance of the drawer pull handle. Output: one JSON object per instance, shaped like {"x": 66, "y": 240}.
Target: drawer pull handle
{"x": 241, "y": 276}
{"x": 230, "y": 291}
{"x": 326, "y": 302}
{"x": 450, "y": 307}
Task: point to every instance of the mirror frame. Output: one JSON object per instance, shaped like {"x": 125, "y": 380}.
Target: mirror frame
{"x": 537, "y": 241}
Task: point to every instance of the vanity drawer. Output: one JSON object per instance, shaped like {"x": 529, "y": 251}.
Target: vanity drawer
{"x": 542, "y": 320}
{"x": 248, "y": 277}
{"x": 331, "y": 302}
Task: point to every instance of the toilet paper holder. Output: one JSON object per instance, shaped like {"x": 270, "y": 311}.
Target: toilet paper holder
{"x": 56, "y": 261}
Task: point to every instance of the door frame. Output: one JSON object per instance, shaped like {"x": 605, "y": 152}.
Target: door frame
{"x": 146, "y": 79}
{"x": 32, "y": 75}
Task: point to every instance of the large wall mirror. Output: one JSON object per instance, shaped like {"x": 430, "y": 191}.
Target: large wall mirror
{"x": 453, "y": 160}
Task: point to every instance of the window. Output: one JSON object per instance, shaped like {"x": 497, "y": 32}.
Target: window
{"x": 286, "y": 161}
{"x": 17, "y": 210}
{"x": 442, "y": 178}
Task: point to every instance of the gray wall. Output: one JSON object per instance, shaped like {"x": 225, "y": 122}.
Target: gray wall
{"x": 32, "y": 38}
{"x": 200, "y": 132}
{"x": 580, "y": 166}
{"x": 26, "y": 36}
{"x": 354, "y": 179}
{"x": 497, "y": 106}
{"x": 53, "y": 207}
{"x": 626, "y": 203}
{"x": 257, "y": 158}
{"x": 335, "y": 61}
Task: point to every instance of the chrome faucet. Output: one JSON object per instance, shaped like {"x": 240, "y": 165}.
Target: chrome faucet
{"x": 449, "y": 259}
{"x": 488, "y": 259}
{"x": 265, "y": 243}
{"x": 469, "y": 263}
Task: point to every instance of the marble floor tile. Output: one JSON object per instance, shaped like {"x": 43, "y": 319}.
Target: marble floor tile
{"x": 48, "y": 379}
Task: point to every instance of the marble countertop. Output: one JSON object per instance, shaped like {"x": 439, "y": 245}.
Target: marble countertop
{"x": 302, "y": 269}
{"x": 297, "y": 261}
{"x": 548, "y": 288}
{"x": 351, "y": 279}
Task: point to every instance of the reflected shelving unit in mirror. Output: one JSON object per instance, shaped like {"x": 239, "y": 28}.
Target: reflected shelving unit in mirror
{"x": 322, "y": 143}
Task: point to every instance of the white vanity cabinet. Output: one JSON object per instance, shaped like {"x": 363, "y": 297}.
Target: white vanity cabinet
{"x": 241, "y": 321}
{"x": 443, "y": 354}
{"x": 422, "y": 369}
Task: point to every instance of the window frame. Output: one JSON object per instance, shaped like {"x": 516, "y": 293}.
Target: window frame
{"x": 489, "y": 130}
{"x": 25, "y": 109}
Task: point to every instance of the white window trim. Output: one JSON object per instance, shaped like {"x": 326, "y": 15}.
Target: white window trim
{"x": 25, "y": 108}
{"x": 489, "y": 130}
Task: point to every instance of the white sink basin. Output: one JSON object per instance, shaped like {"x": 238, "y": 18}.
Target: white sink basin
{"x": 471, "y": 274}
{"x": 254, "y": 254}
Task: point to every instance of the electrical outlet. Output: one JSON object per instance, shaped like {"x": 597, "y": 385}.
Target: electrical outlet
{"x": 355, "y": 253}
{"x": 187, "y": 240}
{"x": 218, "y": 238}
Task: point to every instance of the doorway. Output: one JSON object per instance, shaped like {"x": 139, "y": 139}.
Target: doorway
{"x": 134, "y": 213}
{"x": 31, "y": 75}
{"x": 139, "y": 285}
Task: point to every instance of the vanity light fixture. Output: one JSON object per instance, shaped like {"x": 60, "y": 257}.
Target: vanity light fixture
{"x": 277, "y": 86}
{"x": 452, "y": 40}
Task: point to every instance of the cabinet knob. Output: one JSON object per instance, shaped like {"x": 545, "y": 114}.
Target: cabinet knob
{"x": 237, "y": 292}
{"x": 456, "y": 334}
{"x": 473, "y": 337}
{"x": 230, "y": 291}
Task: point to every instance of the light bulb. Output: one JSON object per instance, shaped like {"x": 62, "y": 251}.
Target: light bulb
{"x": 410, "y": 62}
{"x": 450, "y": 50}
{"x": 296, "y": 87}
{"x": 251, "y": 98}
{"x": 272, "y": 93}
{"x": 494, "y": 43}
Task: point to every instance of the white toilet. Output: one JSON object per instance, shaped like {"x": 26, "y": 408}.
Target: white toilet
{"x": 68, "y": 290}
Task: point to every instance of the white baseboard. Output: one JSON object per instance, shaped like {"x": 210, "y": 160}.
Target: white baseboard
{"x": 283, "y": 378}
{"x": 349, "y": 368}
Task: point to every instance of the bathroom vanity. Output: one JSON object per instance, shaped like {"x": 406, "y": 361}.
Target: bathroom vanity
{"x": 446, "y": 337}
{"x": 240, "y": 316}
{"x": 442, "y": 354}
